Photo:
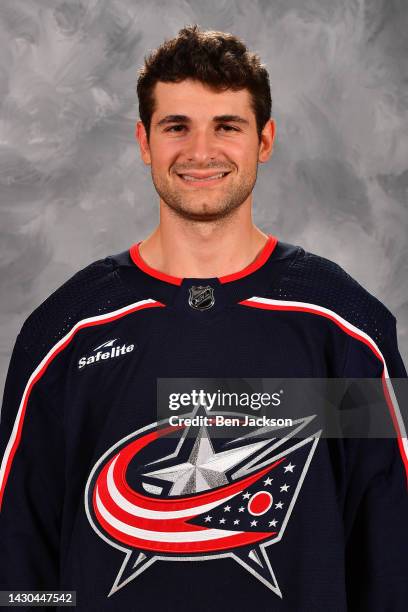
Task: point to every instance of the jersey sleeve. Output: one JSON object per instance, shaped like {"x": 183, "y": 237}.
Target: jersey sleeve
{"x": 376, "y": 506}
{"x": 392, "y": 356}
{"x": 31, "y": 477}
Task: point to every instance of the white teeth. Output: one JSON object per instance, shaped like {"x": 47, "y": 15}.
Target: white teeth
{"x": 186, "y": 177}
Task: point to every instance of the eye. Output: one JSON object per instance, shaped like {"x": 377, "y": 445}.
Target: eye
{"x": 174, "y": 128}
{"x": 228, "y": 127}
{"x": 179, "y": 127}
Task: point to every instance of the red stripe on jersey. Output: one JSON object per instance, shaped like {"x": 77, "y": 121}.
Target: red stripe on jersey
{"x": 49, "y": 358}
{"x": 367, "y": 341}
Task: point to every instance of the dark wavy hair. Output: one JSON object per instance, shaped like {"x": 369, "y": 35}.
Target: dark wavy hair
{"x": 217, "y": 59}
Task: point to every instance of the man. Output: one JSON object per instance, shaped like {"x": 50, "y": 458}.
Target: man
{"x": 96, "y": 495}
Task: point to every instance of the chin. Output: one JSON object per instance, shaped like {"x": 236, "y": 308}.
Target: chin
{"x": 196, "y": 215}
{"x": 192, "y": 209}
{"x": 205, "y": 215}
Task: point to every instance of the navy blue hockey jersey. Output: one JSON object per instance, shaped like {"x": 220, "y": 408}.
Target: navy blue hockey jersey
{"x": 96, "y": 496}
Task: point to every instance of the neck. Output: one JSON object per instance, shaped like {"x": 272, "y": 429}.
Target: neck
{"x": 202, "y": 249}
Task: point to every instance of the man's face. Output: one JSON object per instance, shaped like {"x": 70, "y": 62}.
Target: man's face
{"x": 203, "y": 149}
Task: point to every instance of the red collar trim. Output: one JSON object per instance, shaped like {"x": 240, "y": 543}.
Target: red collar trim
{"x": 175, "y": 280}
{"x": 259, "y": 261}
{"x": 137, "y": 259}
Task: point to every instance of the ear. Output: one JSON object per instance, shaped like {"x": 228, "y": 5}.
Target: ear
{"x": 267, "y": 138}
{"x": 141, "y": 137}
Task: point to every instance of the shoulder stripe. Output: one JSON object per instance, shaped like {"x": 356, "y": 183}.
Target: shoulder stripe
{"x": 42, "y": 367}
{"x": 358, "y": 334}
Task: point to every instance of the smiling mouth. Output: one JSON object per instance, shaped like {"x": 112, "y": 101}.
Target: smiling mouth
{"x": 188, "y": 178}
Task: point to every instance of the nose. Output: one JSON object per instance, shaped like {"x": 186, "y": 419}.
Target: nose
{"x": 201, "y": 147}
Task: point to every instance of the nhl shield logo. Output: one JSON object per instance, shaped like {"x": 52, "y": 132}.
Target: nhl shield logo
{"x": 201, "y": 297}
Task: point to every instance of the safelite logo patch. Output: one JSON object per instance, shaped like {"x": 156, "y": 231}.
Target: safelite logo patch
{"x": 105, "y": 351}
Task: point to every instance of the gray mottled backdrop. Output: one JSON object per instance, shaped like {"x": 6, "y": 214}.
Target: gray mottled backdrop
{"x": 73, "y": 188}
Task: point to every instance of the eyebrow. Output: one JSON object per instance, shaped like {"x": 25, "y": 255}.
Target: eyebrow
{"x": 217, "y": 119}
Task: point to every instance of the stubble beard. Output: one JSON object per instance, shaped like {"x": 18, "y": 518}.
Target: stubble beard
{"x": 200, "y": 207}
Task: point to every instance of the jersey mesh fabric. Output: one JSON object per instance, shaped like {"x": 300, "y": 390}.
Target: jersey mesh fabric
{"x": 92, "y": 291}
{"x": 317, "y": 280}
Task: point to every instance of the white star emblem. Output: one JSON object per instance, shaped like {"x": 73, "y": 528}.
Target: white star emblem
{"x": 204, "y": 469}
{"x": 268, "y": 481}
{"x": 254, "y": 523}
{"x": 289, "y": 467}
{"x": 241, "y": 509}
{"x": 227, "y": 508}
{"x": 273, "y": 523}
{"x": 246, "y": 495}
{"x": 222, "y": 520}
{"x": 236, "y": 522}
{"x": 279, "y": 505}
{"x": 284, "y": 487}
{"x": 208, "y": 519}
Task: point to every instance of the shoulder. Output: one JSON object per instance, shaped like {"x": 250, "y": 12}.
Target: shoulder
{"x": 318, "y": 281}
{"x": 91, "y": 291}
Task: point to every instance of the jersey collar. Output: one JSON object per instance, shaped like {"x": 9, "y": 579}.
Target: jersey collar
{"x": 259, "y": 261}
{"x": 256, "y": 279}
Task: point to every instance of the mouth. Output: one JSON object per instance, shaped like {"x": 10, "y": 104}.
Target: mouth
{"x": 213, "y": 179}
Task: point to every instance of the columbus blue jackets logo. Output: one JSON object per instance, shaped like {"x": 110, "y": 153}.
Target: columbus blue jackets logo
{"x": 155, "y": 496}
